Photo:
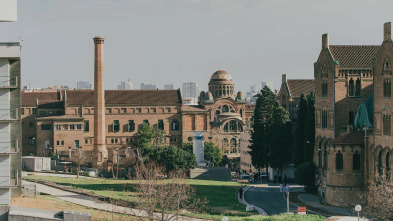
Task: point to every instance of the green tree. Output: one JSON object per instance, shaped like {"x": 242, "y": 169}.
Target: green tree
{"x": 280, "y": 149}
{"x": 305, "y": 175}
{"x": 157, "y": 135}
{"x": 212, "y": 153}
{"x": 309, "y": 130}
{"x": 299, "y": 132}
{"x": 144, "y": 137}
{"x": 172, "y": 158}
{"x": 260, "y": 135}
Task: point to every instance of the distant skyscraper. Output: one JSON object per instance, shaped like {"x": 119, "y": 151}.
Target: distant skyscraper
{"x": 125, "y": 85}
{"x": 83, "y": 85}
{"x": 169, "y": 86}
{"x": 269, "y": 84}
{"x": 253, "y": 88}
{"x": 190, "y": 90}
{"x": 148, "y": 86}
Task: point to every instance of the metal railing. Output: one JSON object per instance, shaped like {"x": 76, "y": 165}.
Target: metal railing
{"x": 8, "y": 81}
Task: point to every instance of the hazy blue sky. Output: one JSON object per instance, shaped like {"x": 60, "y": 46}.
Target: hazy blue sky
{"x": 176, "y": 41}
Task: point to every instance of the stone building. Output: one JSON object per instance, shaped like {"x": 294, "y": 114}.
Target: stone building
{"x": 353, "y": 117}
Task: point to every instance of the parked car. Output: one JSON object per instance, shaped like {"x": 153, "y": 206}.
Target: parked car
{"x": 245, "y": 177}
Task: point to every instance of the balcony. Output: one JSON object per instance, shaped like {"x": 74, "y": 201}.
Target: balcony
{"x": 9, "y": 81}
{"x": 7, "y": 115}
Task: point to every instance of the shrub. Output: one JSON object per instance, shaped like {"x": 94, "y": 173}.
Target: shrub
{"x": 305, "y": 175}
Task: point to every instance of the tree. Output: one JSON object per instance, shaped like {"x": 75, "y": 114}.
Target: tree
{"x": 80, "y": 158}
{"x": 305, "y": 175}
{"x": 260, "y": 139}
{"x": 172, "y": 158}
{"x": 169, "y": 197}
{"x": 157, "y": 135}
{"x": 212, "y": 153}
{"x": 378, "y": 199}
{"x": 144, "y": 137}
{"x": 280, "y": 149}
{"x": 309, "y": 130}
{"x": 299, "y": 132}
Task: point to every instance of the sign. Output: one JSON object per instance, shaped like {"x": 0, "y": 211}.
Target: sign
{"x": 301, "y": 210}
{"x": 198, "y": 146}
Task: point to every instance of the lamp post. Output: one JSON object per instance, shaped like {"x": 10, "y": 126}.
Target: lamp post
{"x": 358, "y": 208}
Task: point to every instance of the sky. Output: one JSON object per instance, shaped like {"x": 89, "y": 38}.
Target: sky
{"x": 177, "y": 41}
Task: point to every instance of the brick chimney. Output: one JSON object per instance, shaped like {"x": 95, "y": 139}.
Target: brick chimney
{"x": 387, "y": 31}
{"x": 100, "y": 153}
{"x": 325, "y": 41}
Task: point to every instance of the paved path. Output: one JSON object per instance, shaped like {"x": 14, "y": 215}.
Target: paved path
{"x": 89, "y": 202}
{"x": 314, "y": 202}
{"x": 25, "y": 174}
{"x": 269, "y": 199}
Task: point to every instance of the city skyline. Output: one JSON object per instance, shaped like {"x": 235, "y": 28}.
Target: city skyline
{"x": 152, "y": 42}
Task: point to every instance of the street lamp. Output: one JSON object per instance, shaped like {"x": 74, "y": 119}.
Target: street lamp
{"x": 358, "y": 208}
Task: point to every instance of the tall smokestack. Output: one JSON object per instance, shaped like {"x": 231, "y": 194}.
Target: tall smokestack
{"x": 100, "y": 152}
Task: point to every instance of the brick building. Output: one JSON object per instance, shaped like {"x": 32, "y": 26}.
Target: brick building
{"x": 353, "y": 117}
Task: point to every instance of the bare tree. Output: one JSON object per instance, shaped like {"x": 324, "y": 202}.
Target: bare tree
{"x": 378, "y": 199}
{"x": 80, "y": 158}
{"x": 164, "y": 199}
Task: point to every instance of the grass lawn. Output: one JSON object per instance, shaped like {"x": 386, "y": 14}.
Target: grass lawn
{"x": 221, "y": 196}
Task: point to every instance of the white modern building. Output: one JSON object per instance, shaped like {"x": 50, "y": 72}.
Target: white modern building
{"x": 148, "y": 86}
{"x": 10, "y": 122}
{"x": 169, "y": 86}
{"x": 8, "y": 10}
{"x": 125, "y": 85}
{"x": 83, "y": 85}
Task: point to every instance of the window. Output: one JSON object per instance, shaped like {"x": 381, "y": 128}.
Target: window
{"x": 241, "y": 113}
{"x": 324, "y": 88}
{"x": 234, "y": 146}
{"x": 87, "y": 126}
{"x": 226, "y": 127}
{"x": 23, "y": 124}
{"x": 72, "y": 126}
{"x": 356, "y": 161}
{"x": 325, "y": 156}
{"x": 31, "y": 140}
{"x": 58, "y": 143}
{"x": 76, "y": 143}
{"x": 218, "y": 112}
{"x": 42, "y": 113}
{"x": 131, "y": 125}
{"x": 225, "y": 109}
{"x": 175, "y": 124}
{"x": 351, "y": 118}
{"x": 146, "y": 122}
{"x": 358, "y": 87}
{"x": 161, "y": 124}
{"x": 233, "y": 126}
{"x": 386, "y": 124}
{"x": 62, "y": 143}
{"x": 86, "y": 141}
{"x": 380, "y": 169}
{"x": 22, "y": 111}
{"x": 116, "y": 126}
{"x": 46, "y": 127}
{"x": 319, "y": 156}
{"x": 339, "y": 161}
{"x": 79, "y": 126}
{"x": 31, "y": 124}
{"x": 350, "y": 87}
{"x": 387, "y": 87}
{"x": 387, "y": 166}
{"x": 34, "y": 110}
{"x": 58, "y": 127}
{"x": 324, "y": 118}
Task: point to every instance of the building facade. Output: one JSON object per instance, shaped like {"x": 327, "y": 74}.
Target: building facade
{"x": 10, "y": 122}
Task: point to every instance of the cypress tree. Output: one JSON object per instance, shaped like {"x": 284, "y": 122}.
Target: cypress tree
{"x": 299, "y": 132}
{"x": 309, "y": 131}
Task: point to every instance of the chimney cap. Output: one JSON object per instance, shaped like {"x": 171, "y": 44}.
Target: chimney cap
{"x": 98, "y": 37}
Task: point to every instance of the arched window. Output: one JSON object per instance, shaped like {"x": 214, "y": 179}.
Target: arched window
{"x": 225, "y": 109}
{"x": 218, "y": 112}
{"x": 350, "y": 87}
{"x": 241, "y": 113}
{"x": 233, "y": 126}
{"x": 358, "y": 87}
{"x": 239, "y": 127}
{"x": 356, "y": 161}
{"x": 380, "y": 167}
{"x": 325, "y": 156}
{"x": 234, "y": 148}
{"x": 386, "y": 66}
{"x": 339, "y": 161}
{"x": 226, "y": 127}
{"x": 175, "y": 124}
{"x": 324, "y": 69}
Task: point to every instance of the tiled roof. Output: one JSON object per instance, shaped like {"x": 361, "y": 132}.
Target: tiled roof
{"x": 46, "y": 99}
{"x": 86, "y": 97}
{"x": 354, "y": 56}
{"x": 193, "y": 108}
{"x": 62, "y": 118}
{"x": 297, "y": 87}
{"x": 352, "y": 138}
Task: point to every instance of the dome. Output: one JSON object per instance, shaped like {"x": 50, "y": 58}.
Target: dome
{"x": 240, "y": 98}
{"x": 221, "y": 77}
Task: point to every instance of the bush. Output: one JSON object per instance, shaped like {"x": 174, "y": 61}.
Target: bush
{"x": 305, "y": 175}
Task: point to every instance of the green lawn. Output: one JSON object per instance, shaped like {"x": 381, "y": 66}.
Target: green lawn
{"x": 221, "y": 196}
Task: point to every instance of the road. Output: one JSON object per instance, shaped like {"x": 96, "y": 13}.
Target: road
{"x": 269, "y": 198}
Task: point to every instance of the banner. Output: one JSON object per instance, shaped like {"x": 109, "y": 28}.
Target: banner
{"x": 198, "y": 146}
